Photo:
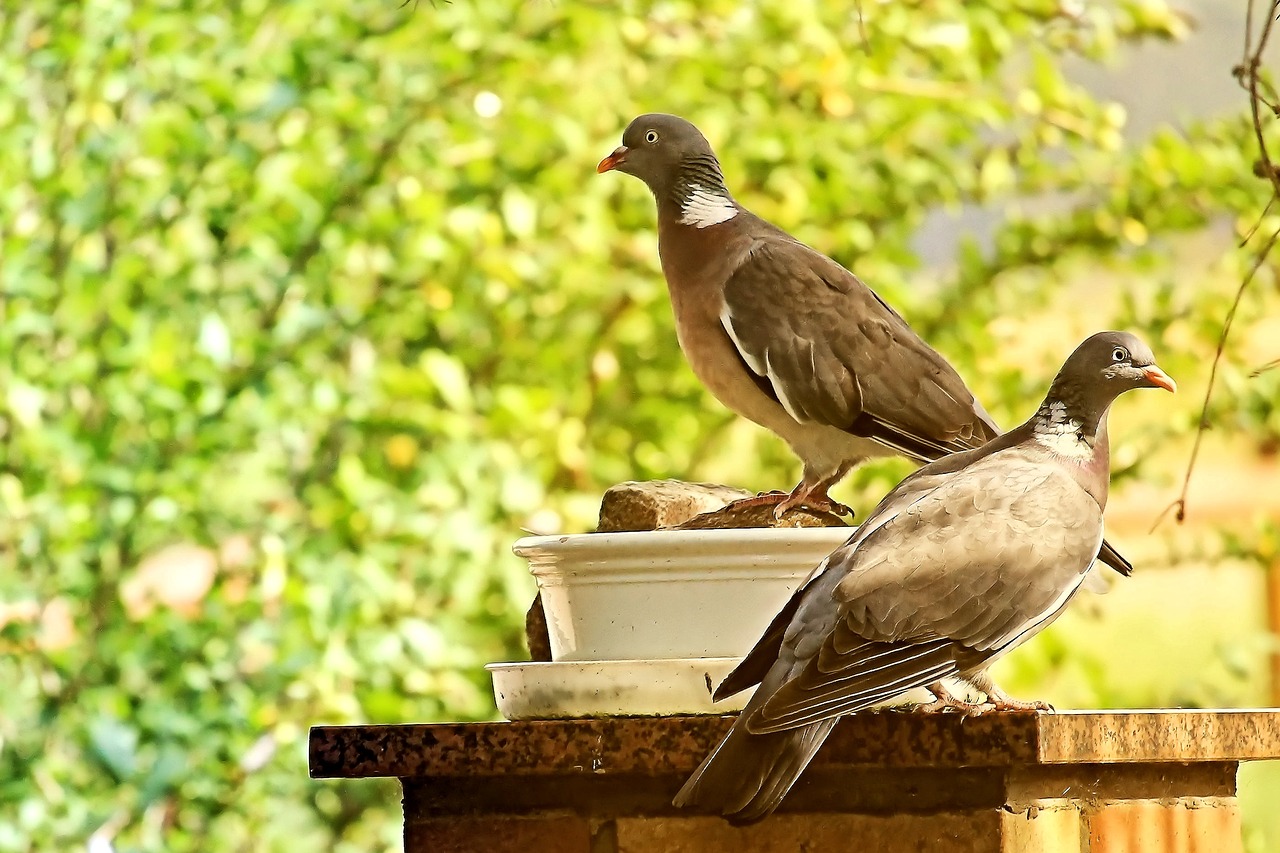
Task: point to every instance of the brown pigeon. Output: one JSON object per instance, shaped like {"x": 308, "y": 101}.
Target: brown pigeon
{"x": 966, "y": 559}
{"x": 788, "y": 338}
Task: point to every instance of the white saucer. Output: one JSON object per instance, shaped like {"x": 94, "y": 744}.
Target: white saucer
{"x": 553, "y": 690}
{"x": 616, "y": 688}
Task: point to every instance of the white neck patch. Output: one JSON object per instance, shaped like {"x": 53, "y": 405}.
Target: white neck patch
{"x": 702, "y": 209}
{"x": 1061, "y": 435}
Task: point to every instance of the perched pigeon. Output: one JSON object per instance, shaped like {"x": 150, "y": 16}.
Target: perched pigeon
{"x": 788, "y": 338}
{"x": 964, "y": 560}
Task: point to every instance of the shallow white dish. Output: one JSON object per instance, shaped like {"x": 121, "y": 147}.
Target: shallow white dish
{"x": 618, "y": 688}
{"x": 669, "y": 594}
{"x": 628, "y": 688}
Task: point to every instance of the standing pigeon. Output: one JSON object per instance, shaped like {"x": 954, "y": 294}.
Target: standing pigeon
{"x": 788, "y": 338}
{"x": 965, "y": 559}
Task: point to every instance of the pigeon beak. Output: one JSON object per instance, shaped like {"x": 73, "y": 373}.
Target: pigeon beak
{"x": 613, "y": 161}
{"x": 1159, "y": 379}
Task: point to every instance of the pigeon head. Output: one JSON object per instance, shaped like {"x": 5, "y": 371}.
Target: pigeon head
{"x": 670, "y": 155}
{"x": 1109, "y": 363}
{"x": 1102, "y": 368}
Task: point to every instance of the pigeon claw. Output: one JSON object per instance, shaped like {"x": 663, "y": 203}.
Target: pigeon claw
{"x": 814, "y": 498}
{"x": 946, "y": 702}
{"x": 998, "y": 700}
{"x": 784, "y": 502}
{"x": 1006, "y": 703}
{"x": 952, "y": 706}
{"x": 762, "y": 499}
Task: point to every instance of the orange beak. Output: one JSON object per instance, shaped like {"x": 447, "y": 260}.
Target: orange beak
{"x": 613, "y": 161}
{"x": 1160, "y": 379}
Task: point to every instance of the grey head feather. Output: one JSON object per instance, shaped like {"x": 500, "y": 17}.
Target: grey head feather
{"x": 1100, "y": 369}
{"x": 672, "y": 157}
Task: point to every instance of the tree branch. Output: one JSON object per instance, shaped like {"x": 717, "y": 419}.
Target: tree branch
{"x": 1248, "y": 75}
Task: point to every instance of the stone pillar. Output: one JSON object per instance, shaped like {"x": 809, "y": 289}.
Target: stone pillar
{"x": 1025, "y": 782}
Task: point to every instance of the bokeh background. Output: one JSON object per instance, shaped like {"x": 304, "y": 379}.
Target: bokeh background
{"x": 310, "y": 308}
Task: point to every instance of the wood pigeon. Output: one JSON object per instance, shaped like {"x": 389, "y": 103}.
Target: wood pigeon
{"x": 788, "y": 338}
{"x": 966, "y": 559}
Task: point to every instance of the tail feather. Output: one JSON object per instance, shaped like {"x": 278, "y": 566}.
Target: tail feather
{"x": 753, "y": 668}
{"x": 746, "y": 776}
{"x": 1113, "y": 558}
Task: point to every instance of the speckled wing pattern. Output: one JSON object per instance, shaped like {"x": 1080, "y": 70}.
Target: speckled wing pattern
{"x": 831, "y": 351}
{"x": 945, "y": 577}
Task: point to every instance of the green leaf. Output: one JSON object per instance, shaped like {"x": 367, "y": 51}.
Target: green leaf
{"x": 449, "y": 378}
{"x": 114, "y": 744}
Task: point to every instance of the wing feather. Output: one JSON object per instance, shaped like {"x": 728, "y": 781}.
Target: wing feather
{"x": 951, "y": 570}
{"x": 833, "y": 352}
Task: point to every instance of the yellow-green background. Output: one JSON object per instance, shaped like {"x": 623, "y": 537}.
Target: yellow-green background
{"x": 307, "y": 309}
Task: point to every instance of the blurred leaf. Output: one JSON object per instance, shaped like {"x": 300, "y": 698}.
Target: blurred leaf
{"x": 328, "y": 297}
{"x": 115, "y": 744}
{"x": 215, "y": 340}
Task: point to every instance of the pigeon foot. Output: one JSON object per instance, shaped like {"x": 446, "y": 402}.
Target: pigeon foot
{"x": 1007, "y": 703}
{"x": 952, "y": 706}
{"x": 815, "y": 500}
{"x": 813, "y": 497}
{"x": 1001, "y": 701}
{"x": 946, "y": 702}
{"x": 763, "y": 499}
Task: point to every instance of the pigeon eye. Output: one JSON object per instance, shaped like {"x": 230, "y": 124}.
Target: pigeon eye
{"x": 651, "y": 137}
{"x": 1119, "y": 354}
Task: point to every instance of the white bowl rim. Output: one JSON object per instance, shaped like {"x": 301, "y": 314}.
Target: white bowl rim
{"x": 567, "y": 665}
{"x": 632, "y": 541}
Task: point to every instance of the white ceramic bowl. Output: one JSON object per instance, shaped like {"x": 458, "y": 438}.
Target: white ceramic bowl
{"x": 669, "y": 594}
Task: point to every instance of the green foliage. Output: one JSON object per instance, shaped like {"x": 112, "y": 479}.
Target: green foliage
{"x": 309, "y": 307}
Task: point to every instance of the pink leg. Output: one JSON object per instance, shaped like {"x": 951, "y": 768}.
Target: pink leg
{"x": 812, "y": 497}
{"x": 1002, "y": 701}
{"x": 809, "y": 497}
{"x": 945, "y": 700}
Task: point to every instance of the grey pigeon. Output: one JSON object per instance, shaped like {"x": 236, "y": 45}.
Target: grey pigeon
{"x": 788, "y": 338}
{"x": 964, "y": 560}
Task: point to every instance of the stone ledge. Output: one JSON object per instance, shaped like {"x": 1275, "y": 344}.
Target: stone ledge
{"x": 660, "y": 746}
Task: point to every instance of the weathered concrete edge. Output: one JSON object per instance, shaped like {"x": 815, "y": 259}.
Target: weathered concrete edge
{"x": 674, "y": 745}
{"x": 1159, "y": 735}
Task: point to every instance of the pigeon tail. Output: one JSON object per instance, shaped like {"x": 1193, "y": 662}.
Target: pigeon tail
{"x": 746, "y": 776}
{"x": 755, "y": 666}
{"x": 1113, "y": 558}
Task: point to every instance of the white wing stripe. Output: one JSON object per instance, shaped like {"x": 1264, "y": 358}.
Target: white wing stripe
{"x": 780, "y": 389}
{"x": 726, "y": 320}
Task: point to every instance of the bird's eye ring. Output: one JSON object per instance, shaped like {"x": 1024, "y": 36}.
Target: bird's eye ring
{"x": 1119, "y": 354}
{"x": 651, "y": 136}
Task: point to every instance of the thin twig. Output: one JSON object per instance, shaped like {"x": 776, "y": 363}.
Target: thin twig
{"x": 1270, "y": 365}
{"x": 1253, "y": 62}
{"x": 1181, "y": 503}
{"x": 1248, "y": 75}
{"x": 1258, "y": 224}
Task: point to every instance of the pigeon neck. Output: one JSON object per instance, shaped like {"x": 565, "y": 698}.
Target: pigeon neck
{"x": 699, "y": 194}
{"x": 1071, "y": 424}
{"x": 1063, "y": 429}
